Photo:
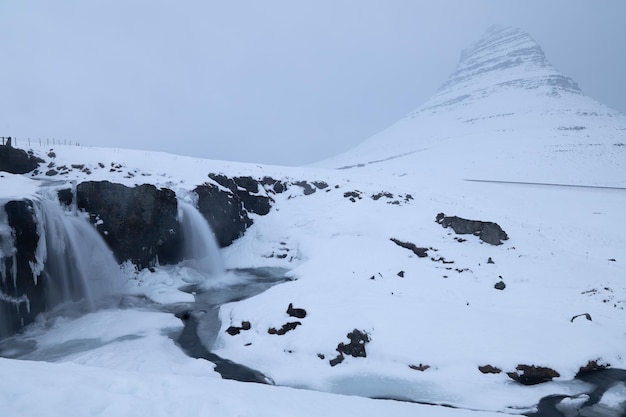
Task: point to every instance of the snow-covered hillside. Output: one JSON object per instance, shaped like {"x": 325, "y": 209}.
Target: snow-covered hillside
{"x": 552, "y": 165}
{"x": 504, "y": 114}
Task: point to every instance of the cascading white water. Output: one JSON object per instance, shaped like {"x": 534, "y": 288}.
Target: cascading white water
{"x": 78, "y": 263}
{"x": 201, "y": 248}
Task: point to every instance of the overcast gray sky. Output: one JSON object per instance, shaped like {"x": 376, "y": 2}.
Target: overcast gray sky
{"x": 284, "y": 82}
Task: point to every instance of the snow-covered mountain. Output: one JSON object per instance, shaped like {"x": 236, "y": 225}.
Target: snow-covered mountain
{"x": 505, "y": 113}
{"x": 383, "y": 300}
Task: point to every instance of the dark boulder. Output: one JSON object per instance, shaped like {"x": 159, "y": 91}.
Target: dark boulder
{"x": 23, "y": 296}
{"x": 420, "y": 252}
{"x": 533, "y": 375}
{"x": 139, "y": 224}
{"x": 298, "y": 313}
{"x": 488, "y": 232}
{"x": 356, "y": 347}
{"x": 287, "y": 327}
{"x": 17, "y": 161}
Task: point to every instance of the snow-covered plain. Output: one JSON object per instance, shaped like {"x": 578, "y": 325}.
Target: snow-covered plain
{"x": 565, "y": 256}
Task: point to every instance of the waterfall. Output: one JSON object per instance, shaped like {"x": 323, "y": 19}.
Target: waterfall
{"x": 201, "y": 249}
{"x": 77, "y": 263}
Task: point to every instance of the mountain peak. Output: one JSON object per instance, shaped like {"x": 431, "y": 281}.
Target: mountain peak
{"x": 505, "y": 58}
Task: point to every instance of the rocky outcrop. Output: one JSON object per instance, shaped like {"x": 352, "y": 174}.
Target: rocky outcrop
{"x": 224, "y": 211}
{"x": 420, "y": 252}
{"x": 488, "y": 232}
{"x": 533, "y": 375}
{"x": 139, "y": 224}
{"x": 22, "y": 295}
{"x": 356, "y": 347}
{"x": 17, "y": 161}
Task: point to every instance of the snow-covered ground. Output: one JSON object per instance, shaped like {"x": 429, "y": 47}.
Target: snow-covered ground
{"x": 431, "y": 322}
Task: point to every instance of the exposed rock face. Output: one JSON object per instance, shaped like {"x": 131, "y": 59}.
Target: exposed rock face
{"x": 22, "y": 295}
{"x": 224, "y": 211}
{"x": 505, "y": 58}
{"x": 488, "y": 232}
{"x": 139, "y": 224}
{"x": 17, "y": 161}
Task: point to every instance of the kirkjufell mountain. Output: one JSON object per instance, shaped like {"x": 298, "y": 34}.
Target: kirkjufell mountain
{"x": 136, "y": 282}
{"x": 511, "y": 116}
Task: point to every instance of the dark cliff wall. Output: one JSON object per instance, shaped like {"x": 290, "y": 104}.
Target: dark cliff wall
{"x": 17, "y": 161}
{"x": 22, "y": 221}
{"x": 138, "y": 224}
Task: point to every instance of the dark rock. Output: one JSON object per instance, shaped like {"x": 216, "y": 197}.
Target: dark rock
{"x": 233, "y": 330}
{"x": 306, "y": 187}
{"x": 26, "y": 290}
{"x": 591, "y": 367}
{"x": 500, "y": 285}
{"x": 17, "y": 161}
{"x": 51, "y": 172}
{"x": 490, "y": 261}
{"x": 420, "y": 252}
{"x": 419, "y": 367}
{"x": 340, "y": 358}
{"x": 488, "y": 369}
{"x": 353, "y": 195}
{"x": 533, "y": 375}
{"x": 139, "y": 224}
{"x": 286, "y": 328}
{"x": 587, "y": 316}
{"x": 488, "y": 232}
{"x": 378, "y": 196}
{"x": 401, "y": 274}
{"x": 245, "y": 188}
{"x": 225, "y": 213}
{"x": 320, "y": 184}
{"x": 298, "y": 313}
{"x": 356, "y": 347}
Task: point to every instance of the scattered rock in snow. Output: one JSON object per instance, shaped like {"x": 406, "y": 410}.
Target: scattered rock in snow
{"x": 587, "y": 316}
{"x": 286, "y": 328}
{"x": 353, "y": 195}
{"x": 591, "y": 366}
{"x": 420, "y": 252}
{"x": 490, "y": 261}
{"x": 500, "y": 285}
{"x": 442, "y": 260}
{"x": 298, "y": 313}
{"x": 233, "y": 330}
{"x": 340, "y": 358}
{"x": 356, "y": 347}
{"x": 489, "y": 369}
{"x": 419, "y": 367}
{"x": 533, "y": 375}
{"x": 488, "y": 232}
{"x": 401, "y": 274}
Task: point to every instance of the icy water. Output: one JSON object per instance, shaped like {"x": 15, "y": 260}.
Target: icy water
{"x": 43, "y": 341}
{"x": 202, "y": 322}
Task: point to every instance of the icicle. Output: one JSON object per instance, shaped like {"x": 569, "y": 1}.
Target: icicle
{"x": 7, "y": 243}
{"x": 42, "y": 250}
